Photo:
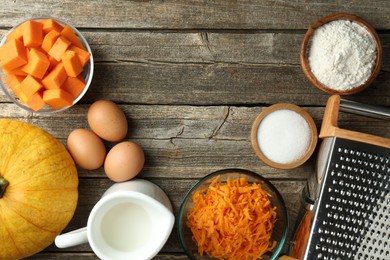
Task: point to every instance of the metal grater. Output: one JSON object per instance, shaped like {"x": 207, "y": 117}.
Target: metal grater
{"x": 352, "y": 220}
{"x": 349, "y": 217}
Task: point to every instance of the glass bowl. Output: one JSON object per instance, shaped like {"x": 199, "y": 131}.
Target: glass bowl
{"x": 87, "y": 72}
{"x": 306, "y": 44}
{"x": 280, "y": 229}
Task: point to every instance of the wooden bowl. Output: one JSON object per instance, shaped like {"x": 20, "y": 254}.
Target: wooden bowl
{"x": 304, "y": 53}
{"x": 309, "y": 150}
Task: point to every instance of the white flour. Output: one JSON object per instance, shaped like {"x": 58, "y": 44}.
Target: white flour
{"x": 342, "y": 55}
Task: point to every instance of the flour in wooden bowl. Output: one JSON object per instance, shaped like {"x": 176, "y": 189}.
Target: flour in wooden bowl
{"x": 342, "y": 55}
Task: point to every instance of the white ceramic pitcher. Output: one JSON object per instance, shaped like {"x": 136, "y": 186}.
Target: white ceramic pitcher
{"x": 132, "y": 220}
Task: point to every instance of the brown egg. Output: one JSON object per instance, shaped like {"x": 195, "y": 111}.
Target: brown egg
{"x": 124, "y": 161}
{"x": 107, "y": 120}
{"x": 87, "y": 149}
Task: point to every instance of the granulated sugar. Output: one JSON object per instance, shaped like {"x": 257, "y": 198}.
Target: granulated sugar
{"x": 342, "y": 54}
{"x": 283, "y": 136}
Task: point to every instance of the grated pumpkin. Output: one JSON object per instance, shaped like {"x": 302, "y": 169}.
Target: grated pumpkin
{"x": 232, "y": 220}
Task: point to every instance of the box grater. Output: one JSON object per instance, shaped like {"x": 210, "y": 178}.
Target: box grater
{"x": 347, "y": 201}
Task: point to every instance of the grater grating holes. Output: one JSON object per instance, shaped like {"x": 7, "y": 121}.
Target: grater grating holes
{"x": 356, "y": 217}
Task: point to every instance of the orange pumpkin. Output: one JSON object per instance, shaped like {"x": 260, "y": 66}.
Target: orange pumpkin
{"x": 38, "y": 189}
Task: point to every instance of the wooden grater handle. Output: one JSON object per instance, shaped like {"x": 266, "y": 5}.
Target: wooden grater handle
{"x": 329, "y": 126}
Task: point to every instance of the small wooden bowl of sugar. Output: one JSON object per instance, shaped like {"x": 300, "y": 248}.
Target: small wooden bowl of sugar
{"x": 341, "y": 54}
{"x": 284, "y": 136}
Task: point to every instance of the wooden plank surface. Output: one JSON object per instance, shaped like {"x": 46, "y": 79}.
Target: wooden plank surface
{"x": 239, "y": 69}
{"x": 176, "y": 14}
{"x": 191, "y": 77}
{"x": 187, "y": 141}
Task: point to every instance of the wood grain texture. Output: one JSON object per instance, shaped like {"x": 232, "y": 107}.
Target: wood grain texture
{"x": 214, "y": 85}
{"x": 187, "y": 141}
{"x": 176, "y": 14}
{"x": 225, "y": 69}
{"x": 191, "y": 77}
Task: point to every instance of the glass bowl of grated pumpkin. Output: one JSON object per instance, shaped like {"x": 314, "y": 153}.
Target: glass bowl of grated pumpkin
{"x": 46, "y": 65}
{"x": 233, "y": 214}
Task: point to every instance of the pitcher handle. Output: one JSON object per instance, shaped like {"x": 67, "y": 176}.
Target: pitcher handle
{"x": 73, "y": 238}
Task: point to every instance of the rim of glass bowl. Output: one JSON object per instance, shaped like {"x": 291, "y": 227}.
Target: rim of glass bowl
{"x": 87, "y": 73}
{"x": 181, "y": 218}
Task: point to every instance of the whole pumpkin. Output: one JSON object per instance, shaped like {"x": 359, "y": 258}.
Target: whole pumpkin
{"x": 38, "y": 189}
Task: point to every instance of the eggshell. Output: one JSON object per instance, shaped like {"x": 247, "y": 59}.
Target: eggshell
{"x": 87, "y": 149}
{"x": 124, "y": 161}
{"x": 107, "y": 120}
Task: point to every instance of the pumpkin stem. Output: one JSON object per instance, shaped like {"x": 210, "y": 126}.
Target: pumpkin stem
{"x": 3, "y": 185}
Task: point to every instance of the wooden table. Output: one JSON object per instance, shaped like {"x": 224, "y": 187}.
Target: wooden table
{"x": 191, "y": 77}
